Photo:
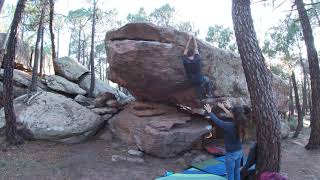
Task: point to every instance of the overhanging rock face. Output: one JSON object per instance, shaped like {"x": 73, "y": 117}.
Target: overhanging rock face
{"x": 145, "y": 59}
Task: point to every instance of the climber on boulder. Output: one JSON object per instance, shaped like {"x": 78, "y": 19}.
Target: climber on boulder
{"x": 192, "y": 64}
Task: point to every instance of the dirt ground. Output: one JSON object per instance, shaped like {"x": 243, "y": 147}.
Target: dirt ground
{"x": 92, "y": 161}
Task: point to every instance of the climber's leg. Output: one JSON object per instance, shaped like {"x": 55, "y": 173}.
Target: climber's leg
{"x": 199, "y": 91}
{"x": 207, "y": 87}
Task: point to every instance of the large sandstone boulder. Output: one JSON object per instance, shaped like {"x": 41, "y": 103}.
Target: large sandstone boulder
{"x": 54, "y": 117}
{"x": 157, "y": 129}
{"x": 22, "y": 52}
{"x": 69, "y": 68}
{"x": 61, "y": 84}
{"x": 145, "y": 59}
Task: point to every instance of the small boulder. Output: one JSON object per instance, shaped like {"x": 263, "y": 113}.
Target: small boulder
{"x": 135, "y": 153}
{"x": 61, "y": 84}
{"x": 105, "y": 110}
{"x": 113, "y": 104}
{"x": 54, "y": 117}
{"x": 163, "y": 135}
{"x": 83, "y": 100}
{"x": 100, "y": 87}
{"x": 69, "y": 68}
{"x": 101, "y": 99}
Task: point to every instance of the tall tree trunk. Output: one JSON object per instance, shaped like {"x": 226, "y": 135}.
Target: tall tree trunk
{"x": 106, "y": 73}
{"x": 92, "y": 84}
{"x": 88, "y": 62}
{"x": 1, "y": 4}
{"x": 259, "y": 81}
{"x": 304, "y": 85}
{"x": 304, "y": 89}
{"x": 69, "y": 50}
{"x": 84, "y": 50}
{"x": 31, "y": 57}
{"x": 309, "y": 95}
{"x": 53, "y": 46}
{"x": 41, "y": 51}
{"x": 103, "y": 75}
{"x": 9, "y": 58}
{"x": 79, "y": 45}
{"x": 22, "y": 27}
{"x": 314, "y": 140}
{"x": 100, "y": 66}
{"x": 58, "y": 44}
{"x": 36, "y": 54}
{"x": 4, "y": 45}
{"x": 49, "y": 67}
{"x": 298, "y": 107}
{"x": 291, "y": 106}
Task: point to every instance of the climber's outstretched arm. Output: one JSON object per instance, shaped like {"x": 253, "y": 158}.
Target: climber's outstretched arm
{"x": 196, "y": 50}
{"x": 187, "y": 46}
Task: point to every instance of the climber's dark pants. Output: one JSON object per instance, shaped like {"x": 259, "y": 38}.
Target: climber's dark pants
{"x": 203, "y": 87}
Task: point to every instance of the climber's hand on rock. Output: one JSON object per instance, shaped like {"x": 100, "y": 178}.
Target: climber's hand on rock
{"x": 208, "y": 108}
{"x": 221, "y": 105}
{"x": 226, "y": 104}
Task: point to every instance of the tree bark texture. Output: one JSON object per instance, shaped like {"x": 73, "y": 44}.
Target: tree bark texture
{"x": 291, "y": 106}
{"x": 309, "y": 95}
{"x": 92, "y": 84}
{"x": 51, "y": 15}
{"x": 58, "y": 44}
{"x": 69, "y": 50}
{"x": 259, "y": 81}
{"x": 84, "y": 50}
{"x": 314, "y": 140}
{"x": 304, "y": 90}
{"x": 36, "y": 53}
{"x": 298, "y": 107}
{"x": 79, "y": 45}
{"x": 9, "y": 58}
{"x": 41, "y": 52}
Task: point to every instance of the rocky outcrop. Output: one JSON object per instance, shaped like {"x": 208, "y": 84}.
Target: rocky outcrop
{"x": 22, "y": 79}
{"x": 69, "y": 68}
{"x": 73, "y": 71}
{"x": 84, "y": 101}
{"x": 54, "y": 117}
{"x": 157, "y": 129}
{"x": 22, "y": 52}
{"x": 145, "y": 59}
{"x": 17, "y": 91}
{"x": 61, "y": 84}
{"x": 21, "y": 83}
{"x": 100, "y": 87}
